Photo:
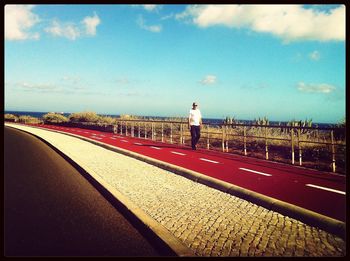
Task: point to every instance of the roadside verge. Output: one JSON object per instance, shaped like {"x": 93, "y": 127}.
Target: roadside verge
{"x": 165, "y": 241}
{"x": 307, "y": 216}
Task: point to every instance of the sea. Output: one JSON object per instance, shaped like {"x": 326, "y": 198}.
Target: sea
{"x": 205, "y": 120}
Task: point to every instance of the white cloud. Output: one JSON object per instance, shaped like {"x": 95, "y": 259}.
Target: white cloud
{"x": 209, "y": 80}
{"x": 42, "y": 87}
{"x": 71, "y": 79}
{"x": 315, "y": 56}
{"x": 166, "y": 17}
{"x": 289, "y": 22}
{"x": 72, "y": 31}
{"x": 91, "y": 22}
{"x": 19, "y": 19}
{"x": 150, "y": 7}
{"x": 123, "y": 81}
{"x": 152, "y": 28}
{"x": 316, "y": 88}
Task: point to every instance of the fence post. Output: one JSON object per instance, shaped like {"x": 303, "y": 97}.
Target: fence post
{"x": 121, "y": 128}
{"x": 223, "y": 141}
{"x": 333, "y": 151}
{"x": 292, "y": 140}
{"x": 227, "y": 135}
{"x": 145, "y": 131}
{"x": 208, "y": 136}
{"x": 266, "y": 146}
{"x": 180, "y": 133}
{"x": 139, "y": 130}
{"x": 245, "y": 140}
{"x": 183, "y": 135}
{"x": 126, "y": 128}
{"x": 300, "y": 150}
{"x": 152, "y": 130}
{"x": 132, "y": 129}
{"x": 171, "y": 132}
{"x": 162, "y": 132}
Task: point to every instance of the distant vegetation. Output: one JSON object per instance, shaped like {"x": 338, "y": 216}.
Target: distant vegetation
{"x": 91, "y": 117}
{"x": 52, "y": 117}
{"x": 277, "y": 138}
{"x": 28, "y": 119}
{"x": 84, "y": 117}
{"x": 10, "y": 117}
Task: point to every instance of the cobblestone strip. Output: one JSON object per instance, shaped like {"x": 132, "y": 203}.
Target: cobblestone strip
{"x": 210, "y": 222}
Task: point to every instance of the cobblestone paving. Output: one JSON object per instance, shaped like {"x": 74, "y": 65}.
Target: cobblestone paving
{"x": 210, "y": 222}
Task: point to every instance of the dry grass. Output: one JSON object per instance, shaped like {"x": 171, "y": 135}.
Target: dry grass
{"x": 169, "y": 130}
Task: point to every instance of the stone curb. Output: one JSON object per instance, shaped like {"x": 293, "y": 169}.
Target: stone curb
{"x": 306, "y": 216}
{"x": 158, "y": 229}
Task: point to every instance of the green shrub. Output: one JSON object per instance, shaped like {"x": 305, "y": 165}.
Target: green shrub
{"x": 106, "y": 120}
{"x": 10, "y": 117}
{"x": 129, "y": 117}
{"x": 86, "y": 116}
{"x": 54, "y": 118}
{"x": 29, "y": 119}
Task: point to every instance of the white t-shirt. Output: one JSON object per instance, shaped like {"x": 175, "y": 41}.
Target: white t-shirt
{"x": 195, "y": 117}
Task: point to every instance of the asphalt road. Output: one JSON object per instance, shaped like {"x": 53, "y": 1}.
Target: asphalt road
{"x": 50, "y": 209}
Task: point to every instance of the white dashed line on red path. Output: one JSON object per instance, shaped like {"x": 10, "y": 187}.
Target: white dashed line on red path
{"x": 257, "y": 172}
{"x": 124, "y": 140}
{"x": 178, "y": 153}
{"x": 155, "y": 148}
{"x": 95, "y": 137}
{"x": 212, "y": 161}
{"x": 137, "y": 143}
{"x": 324, "y": 188}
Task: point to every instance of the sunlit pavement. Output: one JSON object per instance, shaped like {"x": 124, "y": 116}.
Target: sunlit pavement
{"x": 317, "y": 191}
{"x": 209, "y": 222}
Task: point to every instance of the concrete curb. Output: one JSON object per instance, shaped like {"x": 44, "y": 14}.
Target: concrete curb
{"x": 179, "y": 248}
{"x": 309, "y": 217}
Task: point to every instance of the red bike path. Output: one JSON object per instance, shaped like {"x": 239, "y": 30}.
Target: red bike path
{"x": 321, "y": 192}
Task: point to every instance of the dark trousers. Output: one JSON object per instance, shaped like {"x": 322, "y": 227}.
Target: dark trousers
{"x": 195, "y": 134}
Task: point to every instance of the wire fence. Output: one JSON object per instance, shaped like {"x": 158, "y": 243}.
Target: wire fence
{"x": 320, "y": 148}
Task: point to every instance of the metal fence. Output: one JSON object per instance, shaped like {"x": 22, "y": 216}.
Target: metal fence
{"x": 322, "y": 148}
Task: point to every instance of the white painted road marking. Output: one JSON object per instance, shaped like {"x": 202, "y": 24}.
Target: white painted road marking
{"x": 113, "y": 138}
{"x": 155, "y": 148}
{"x": 178, "y": 153}
{"x": 212, "y": 161}
{"x": 324, "y": 188}
{"x": 137, "y": 143}
{"x": 95, "y": 137}
{"x": 257, "y": 172}
{"x": 124, "y": 140}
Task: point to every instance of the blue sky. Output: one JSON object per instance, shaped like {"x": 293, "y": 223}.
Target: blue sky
{"x": 243, "y": 61}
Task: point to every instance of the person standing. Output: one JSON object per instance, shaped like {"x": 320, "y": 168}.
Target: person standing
{"x": 194, "y": 123}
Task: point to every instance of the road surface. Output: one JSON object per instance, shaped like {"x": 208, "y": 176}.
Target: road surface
{"x": 50, "y": 209}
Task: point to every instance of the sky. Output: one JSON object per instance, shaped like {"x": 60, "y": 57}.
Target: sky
{"x": 283, "y": 62}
